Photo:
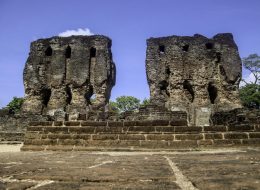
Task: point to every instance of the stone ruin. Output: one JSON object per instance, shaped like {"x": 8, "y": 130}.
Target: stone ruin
{"x": 197, "y": 75}
{"x": 194, "y": 97}
{"x": 62, "y": 74}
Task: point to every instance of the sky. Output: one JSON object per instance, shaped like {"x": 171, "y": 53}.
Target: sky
{"x": 127, "y": 23}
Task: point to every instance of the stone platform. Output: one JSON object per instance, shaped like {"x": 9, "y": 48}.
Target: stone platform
{"x": 136, "y": 135}
{"x": 223, "y": 169}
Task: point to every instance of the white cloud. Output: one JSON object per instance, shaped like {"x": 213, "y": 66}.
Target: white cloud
{"x": 77, "y": 32}
{"x": 249, "y": 79}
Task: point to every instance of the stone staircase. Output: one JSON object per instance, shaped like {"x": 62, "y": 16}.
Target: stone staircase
{"x": 135, "y": 135}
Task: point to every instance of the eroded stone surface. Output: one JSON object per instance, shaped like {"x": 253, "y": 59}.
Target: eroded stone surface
{"x": 194, "y": 74}
{"x": 62, "y": 74}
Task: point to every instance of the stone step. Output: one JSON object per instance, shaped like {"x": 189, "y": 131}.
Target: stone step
{"x": 57, "y": 138}
{"x": 141, "y": 145}
{"x": 139, "y": 129}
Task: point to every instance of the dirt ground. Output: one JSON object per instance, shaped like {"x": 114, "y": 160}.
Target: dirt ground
{"x": 222, "y": 169}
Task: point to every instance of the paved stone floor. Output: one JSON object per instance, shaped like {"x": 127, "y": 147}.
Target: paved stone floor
{"x": 221, "y": 169}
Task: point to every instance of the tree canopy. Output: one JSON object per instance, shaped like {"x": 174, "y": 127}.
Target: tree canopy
{"x": 15, "y": 105}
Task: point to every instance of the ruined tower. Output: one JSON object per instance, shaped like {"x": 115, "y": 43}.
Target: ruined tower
{"x": 68, "y": 75}
{"x": 194, "y": 74}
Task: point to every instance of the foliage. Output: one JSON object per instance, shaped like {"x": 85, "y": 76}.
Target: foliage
{"x": 15, "y": 105}
{"x": 126, "y": 103}
{"x": 252, "y": 63}
{"x": 113, "y": 107}
{"x": 250, "y": 95}
{"x": 145, "y": 102}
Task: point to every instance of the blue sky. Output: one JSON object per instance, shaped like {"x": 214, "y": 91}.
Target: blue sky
{"x": 127, "y": 23}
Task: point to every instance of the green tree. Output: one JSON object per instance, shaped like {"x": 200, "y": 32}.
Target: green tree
{"x": 15, "y": 105}
{"x": 127, "y": 103}
{"x": 145, "y": 102}
{"x": 252, "y": 63}
{"x": 113, "y": 106}
{"x": 250, "y": 95}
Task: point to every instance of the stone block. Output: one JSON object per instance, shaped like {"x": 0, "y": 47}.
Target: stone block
{"x": 154, "y": 144}
{"x": 144, "y": 123}
{"x": 188, "y": 136}
{"x": 143, "y": 129}
{"x": 165, "y": 129}
{"x": 105, "y": 137}
{"x": 80, "y": 130}
{"x": 93, "y": 123}
{"x": 115, "y": 124}
{"x": 166, "y": 137}
{"x": 205, "y": 142}
{"x": 215, "y": 128}
{"x": 183, "y": 144}
{"x": 226, "y": 142}
{"x": 178, "y": 123}
{"x": 254, "y": 135}
{"x": 213, "y": 136}
{"x": 160, "y": 122}
{"x": 235, "y": 135}
{"x": 255, "y": 141}
{"x": 72, "y": 123}
{"x": 40, "y": 123}
{"x": 58, "y": 123}
{"x": 183, "y": 129}
{"x": 129, "y": 123}
{"x": 35, "y": 128}
{"x": 56, "y": 129}
{"x": 70, "y": 142}
{"x": 240, "y": 128}
{"x": 131, "y": 137}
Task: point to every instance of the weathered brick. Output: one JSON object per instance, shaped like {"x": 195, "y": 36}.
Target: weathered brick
{"x": 35, "y": 128}
{"x": 129, "y": 123}
{"x": 165, "y": 137}
{"x": 168, "y": 129}
{"x": 33, "y": 135}
{"x": 115, "y": 124}
{"x": 59, "y": 136}
{"x": 154, "y": 144}
{"x": 72, "y": 123}
{"x": 58, "y": 123}
{"x": 40, "y": 123}
{"x": 205, "y": 142}
{"x": 81, "y": 136}
{"x": 213, "y": 136}
{"x": 160, "y": 122}
{"x": 188, "y": 136}
{"x": 226, "y": 142}
{"x": 93, "y": 123}
{"x": 70, "y": 142}
{"x": 183, "y": 144}
{"x": 80, "y": 130}
{"x": 144, "y": 123}
{"x": 182, "y": 129}
{"x": 131, "y": 137}
{"x": 56, "y": 129}
{"x": 43, "y": 142}
{"x": 253, "y": 141}
{"x": 178, "y": 123}
{"x": 105, "y": 137}
{"x": 254, "y": 135}
{"x": 240, "y": 128}
{"x": 145, "y": 129}
{"x": 114, "y": 129}
{"x": 235, "y": 135}
{"x": 215, "y": 128}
